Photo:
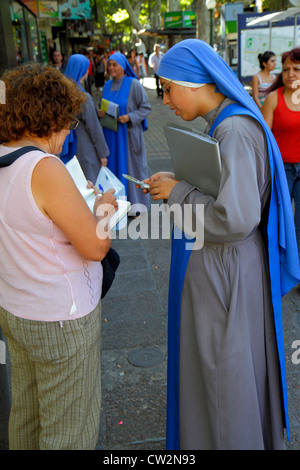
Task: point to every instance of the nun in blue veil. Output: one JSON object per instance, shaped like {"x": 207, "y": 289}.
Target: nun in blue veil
{"x": 87, "y": 142}
{"x": 76, "y": 70}
{"x": 226, "y": 365}
{"x": 126, "y": 146}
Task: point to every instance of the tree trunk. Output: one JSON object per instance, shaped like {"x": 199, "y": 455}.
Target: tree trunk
{"x": 203, "y": 21}
{"x": 173, "y": 5}
{"x": 133, "y": 15}
{"x": 156, "y": 18}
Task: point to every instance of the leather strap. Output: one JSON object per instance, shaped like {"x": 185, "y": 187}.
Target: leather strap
{"x": 7, "y": 160}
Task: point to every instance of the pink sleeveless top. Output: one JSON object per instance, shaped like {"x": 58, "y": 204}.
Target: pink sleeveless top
{"x": 42, "y": 277}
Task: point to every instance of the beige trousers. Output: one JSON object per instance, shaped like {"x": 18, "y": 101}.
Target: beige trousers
{"x": 56, "y": 382}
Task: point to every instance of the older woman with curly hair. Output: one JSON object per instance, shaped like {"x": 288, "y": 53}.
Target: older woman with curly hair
{"x": 51, "y": 246}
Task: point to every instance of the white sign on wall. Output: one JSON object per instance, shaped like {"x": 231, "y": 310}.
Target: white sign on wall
{"x": 256, "y": 41}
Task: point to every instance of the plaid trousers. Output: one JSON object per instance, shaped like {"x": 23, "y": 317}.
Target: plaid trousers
{"x": 56, "y": 382}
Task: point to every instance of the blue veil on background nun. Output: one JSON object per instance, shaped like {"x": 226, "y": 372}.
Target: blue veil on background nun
{"x": 77, "y": 67}
{"x": 121, "y": 60}
{"x": 193, "y": 60}
{"x": 117, "y": 141}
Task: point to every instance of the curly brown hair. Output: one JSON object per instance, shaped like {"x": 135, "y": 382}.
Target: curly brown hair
{"x": 39, "y": 100}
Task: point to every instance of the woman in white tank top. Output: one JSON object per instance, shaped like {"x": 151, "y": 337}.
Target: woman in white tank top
{"x": 263, "y": 79}
{"x": 51, "y": 245}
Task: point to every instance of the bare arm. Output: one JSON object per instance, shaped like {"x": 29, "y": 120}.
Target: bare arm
{"x": 269, "y": 107}
{"x": 58, "y": 199}
{"x": 255, "y": 90}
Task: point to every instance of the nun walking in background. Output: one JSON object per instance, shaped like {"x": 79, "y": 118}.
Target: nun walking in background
{"x": 226, "y": 367}
{"x": 88, "y": 143}
{"x": 127, "y": 146}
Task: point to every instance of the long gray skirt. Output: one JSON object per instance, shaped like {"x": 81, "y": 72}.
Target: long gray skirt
{"x": 230, "y": 388}
{"x": 137, "y": 167}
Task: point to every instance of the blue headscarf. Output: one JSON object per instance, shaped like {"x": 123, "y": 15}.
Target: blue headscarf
{"x": 77, "y": 67}
{"x": 121, "y": 60}
{"x": 193, "y": 60}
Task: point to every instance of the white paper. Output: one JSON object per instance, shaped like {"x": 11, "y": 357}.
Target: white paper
{"x": 112, "y": 109}
{"x": 75, "y": 170}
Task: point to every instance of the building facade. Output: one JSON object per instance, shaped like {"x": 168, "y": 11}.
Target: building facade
{"x": 30, "y": 30}
{"x": 19, "y": 34}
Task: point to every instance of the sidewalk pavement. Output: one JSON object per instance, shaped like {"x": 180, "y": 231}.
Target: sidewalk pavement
{"x": 134, "y": 326}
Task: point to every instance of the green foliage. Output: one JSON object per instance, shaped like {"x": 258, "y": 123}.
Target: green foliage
{"x": 185, "y": 4}
{"x": 275, "y": 5}
{"x": 108, "y": 10}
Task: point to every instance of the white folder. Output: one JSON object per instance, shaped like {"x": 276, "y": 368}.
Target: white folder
{"x": 75, "y": 170}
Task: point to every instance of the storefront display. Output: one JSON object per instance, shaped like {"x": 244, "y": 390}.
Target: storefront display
{"x": 25, "y": 32}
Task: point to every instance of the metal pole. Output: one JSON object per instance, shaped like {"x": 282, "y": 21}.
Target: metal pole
{"x": 211, "y": 27}
{"x": 295, "y": 29}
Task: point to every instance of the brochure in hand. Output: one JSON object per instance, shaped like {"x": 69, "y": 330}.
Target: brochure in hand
{"x": 74, "y": 168}
{"x": 110, "y": 121}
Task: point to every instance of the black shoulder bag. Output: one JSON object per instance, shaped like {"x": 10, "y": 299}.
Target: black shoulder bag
{"x": 111, "y": 261}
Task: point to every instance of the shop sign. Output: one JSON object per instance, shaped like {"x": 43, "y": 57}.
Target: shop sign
{"x": 48, "y": 9}
{"x": 229, "y": 17}
{"x": 74, "y": 9}
{"x": 180, "y": 19}
{"x": 31, "y": 5}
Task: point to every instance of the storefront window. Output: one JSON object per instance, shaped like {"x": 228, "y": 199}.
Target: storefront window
{"x": 25, "y": 33}
{"x": 19, "y": 32}
{"x": 33, "y": 39}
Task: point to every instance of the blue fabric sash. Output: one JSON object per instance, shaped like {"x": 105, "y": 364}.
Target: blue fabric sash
{"x": 69, "y": 148}
{"x": 282, "y": 280}
{"x": 179, "y": 261}
{"x": 117, "y": 141}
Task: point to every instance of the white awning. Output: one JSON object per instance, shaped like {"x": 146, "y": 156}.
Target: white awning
{"x": 276, "y": 16}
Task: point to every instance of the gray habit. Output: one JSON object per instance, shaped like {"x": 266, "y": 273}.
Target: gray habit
{"x": 230, "y": 391}
{"x": 91, "y": 143}
{"x": 138, "y": 108}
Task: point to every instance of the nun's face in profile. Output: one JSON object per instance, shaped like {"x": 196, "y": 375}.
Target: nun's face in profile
{"x": 184, "y": 100}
